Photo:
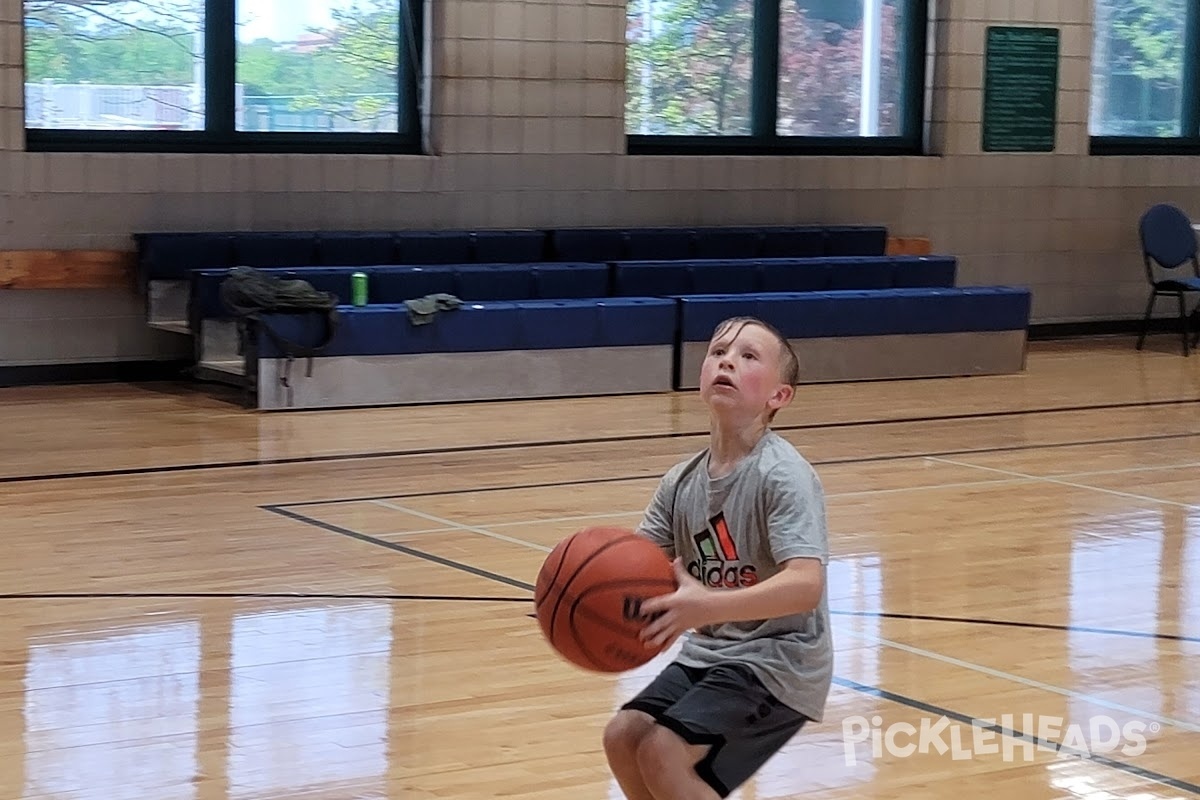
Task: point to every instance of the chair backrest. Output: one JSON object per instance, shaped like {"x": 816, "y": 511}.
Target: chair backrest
{"x": 1167, "y": 236}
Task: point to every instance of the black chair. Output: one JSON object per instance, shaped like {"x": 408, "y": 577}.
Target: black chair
{"x": 1169, "y": 241}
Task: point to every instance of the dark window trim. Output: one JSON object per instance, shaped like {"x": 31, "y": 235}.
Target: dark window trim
{"x": 220, "y": 135}
{"x": 1188, "y": 140}
{"x": 764, "y": 106}
{"x": 58, "y": 140}
{"x": 1144, "y": 146}
{"x": 770, "y": 145}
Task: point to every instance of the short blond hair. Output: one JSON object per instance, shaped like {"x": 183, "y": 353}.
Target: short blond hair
{"x": 789, "y": 364}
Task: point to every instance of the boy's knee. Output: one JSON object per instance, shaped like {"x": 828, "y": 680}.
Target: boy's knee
{"x": 661, "y": 750}
{"x": 625, "y": 732}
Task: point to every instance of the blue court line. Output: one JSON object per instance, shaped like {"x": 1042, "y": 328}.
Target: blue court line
{"x": 930, "y": 708}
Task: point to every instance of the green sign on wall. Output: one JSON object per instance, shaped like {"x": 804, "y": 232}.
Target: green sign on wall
{"x": 1020, "y": 89}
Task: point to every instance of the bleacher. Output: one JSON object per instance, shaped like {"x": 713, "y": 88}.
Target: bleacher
{"x": 550, "y": 313}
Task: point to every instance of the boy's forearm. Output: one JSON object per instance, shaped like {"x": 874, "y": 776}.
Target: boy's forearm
{"x": 792, "y": 591}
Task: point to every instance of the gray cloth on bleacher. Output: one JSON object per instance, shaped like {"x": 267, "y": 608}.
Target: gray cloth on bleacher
{"x": 422, "y": 309}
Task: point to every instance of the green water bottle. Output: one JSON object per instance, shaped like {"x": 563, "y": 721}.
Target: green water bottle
{"x": 358, "y": 288}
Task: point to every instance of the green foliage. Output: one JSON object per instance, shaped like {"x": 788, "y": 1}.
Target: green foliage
{"x": 1152, "y": 32}
{"x": 360, "y": 68}
{"x": 689, "y": 72}
{"x": 70, "y": 42}
{"x": 350, "y": 70}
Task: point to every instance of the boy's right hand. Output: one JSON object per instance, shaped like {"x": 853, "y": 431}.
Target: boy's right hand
{"x": 688, "y": 607}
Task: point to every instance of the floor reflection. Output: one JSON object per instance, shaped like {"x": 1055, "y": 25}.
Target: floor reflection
{"x": 298, "y": 698}
{"x": 308, "y": 700}
{"x": 112, "y": 715}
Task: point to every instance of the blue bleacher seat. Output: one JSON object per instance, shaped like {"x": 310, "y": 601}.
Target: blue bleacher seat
{"x": 566, "y": 280}
{"x": 355, "y": 249}
{"x": 434, "y": 247}
{"x": 587, "y": 244}
{"x": 554, "y": 324}
{"x": 396, "y": 284}
{"x": 510, "y": 246}
{"x": 636, "y": 321}
{"x": 171, "y": 256}
{"x": 864, "y": 313}
{"x": 801, "y": 242}
{"x": 275, "y": 249}
{"x": 651, "y": 244}
{"x": 726, "y": 243}
{"x": 915, "y": 271}
{"x": 493, "y": 281}
{"x": 724, "y": 276}
{"x": 855, "y": 240}
{"x": 486, "y": 326}
{"x": 650, "y": 278}
{"x": 569, "y": 279}
{"x": 866, "y": 272}
{"x": 788, "y": 275}
{"x": 699, "y": 315}
{"x": 478, "y": 327}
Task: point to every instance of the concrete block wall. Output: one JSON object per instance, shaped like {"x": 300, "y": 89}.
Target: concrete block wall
{"x": 527, "y": 130}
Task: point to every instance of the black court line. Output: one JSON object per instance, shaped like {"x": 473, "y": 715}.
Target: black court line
{"x": 871, "y": 690}
{"x": 1048, "y": 626}
{"x": 471, "y": 490}
{"x": 265, "y": 462}
{"x": 815, "y": 463}
{"x": 399, "y": 548}
{"x": 930, "y": 708}
{"x": 255, "y": 596}
{"x": 1131, "y": 769}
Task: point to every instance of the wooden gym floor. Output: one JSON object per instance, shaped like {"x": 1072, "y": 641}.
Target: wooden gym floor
{"x": 200, "y": 601}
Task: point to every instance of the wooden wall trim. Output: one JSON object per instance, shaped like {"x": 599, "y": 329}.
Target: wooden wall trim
{"x": 67, "y": 269}
{"x": 909, "y": 246}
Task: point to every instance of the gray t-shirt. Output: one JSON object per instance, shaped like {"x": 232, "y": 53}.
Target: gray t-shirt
{"x": 735, "y": 531}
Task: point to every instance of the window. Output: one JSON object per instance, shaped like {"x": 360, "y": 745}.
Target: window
{"x": 775, "y": 75}
{"x": 1144, "y": 68}
{"x": 221, "y": 75}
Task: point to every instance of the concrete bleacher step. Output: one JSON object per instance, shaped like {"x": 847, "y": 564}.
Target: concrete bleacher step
{"x": 236, "y": 368}
{"x": 173, "y": 326}
{"x": 227, "y": 373}
{"x": 167, "y": 304}
{"x": 217, "y": 356}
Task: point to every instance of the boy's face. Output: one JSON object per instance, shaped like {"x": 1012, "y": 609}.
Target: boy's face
{"x": 741, "y": 372}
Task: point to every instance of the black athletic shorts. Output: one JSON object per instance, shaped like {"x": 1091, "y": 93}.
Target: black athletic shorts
{"x": 723, "y": 706}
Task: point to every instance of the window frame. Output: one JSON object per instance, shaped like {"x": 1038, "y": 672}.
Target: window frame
{"x": 764, "y": 103}
{"x": 220, "y": 134}
{"x": 1189, "y": 112}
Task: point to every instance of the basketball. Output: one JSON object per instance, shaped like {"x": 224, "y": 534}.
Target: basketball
{"x": 589, "y": 593}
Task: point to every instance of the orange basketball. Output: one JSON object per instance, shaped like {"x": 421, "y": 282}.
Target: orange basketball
{"x": 589, "y": 593}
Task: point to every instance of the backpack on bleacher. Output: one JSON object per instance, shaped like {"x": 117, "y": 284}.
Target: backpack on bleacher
{"x": 249, "y": 293}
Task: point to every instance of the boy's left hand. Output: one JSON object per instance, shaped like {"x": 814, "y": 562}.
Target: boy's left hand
{"x": 688, "y": 607}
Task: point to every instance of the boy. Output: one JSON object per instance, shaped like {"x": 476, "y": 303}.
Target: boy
{"x": 744, "y": 521}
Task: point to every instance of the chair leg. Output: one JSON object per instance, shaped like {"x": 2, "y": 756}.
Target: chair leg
{"x": 1183, "y": 323}
{"x": 1194, "y": 322}
{"x": 1146, "y": 319}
